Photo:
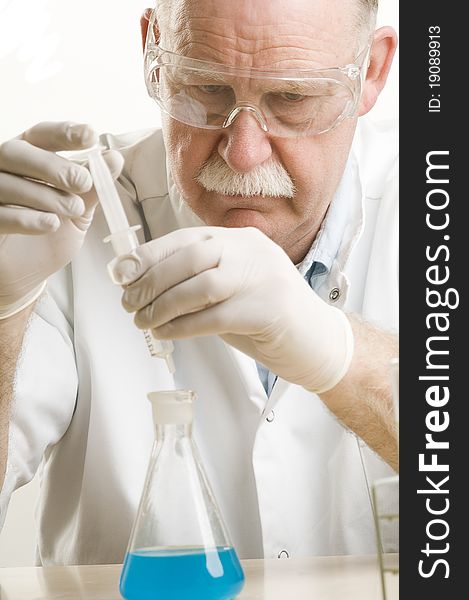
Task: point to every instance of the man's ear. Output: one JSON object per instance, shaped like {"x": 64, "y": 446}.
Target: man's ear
{"x": 382, "y": 53}
{"x": 144, "y": 22}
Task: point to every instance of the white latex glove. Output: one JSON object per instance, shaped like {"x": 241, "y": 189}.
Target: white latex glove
{"x": 238, "y": 284}
{"x": 46, "y": 206}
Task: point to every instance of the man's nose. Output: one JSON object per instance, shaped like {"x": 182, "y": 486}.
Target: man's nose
{"x": 244, "y": 145}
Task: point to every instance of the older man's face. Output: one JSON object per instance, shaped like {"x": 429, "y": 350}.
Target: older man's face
{"x": 265, "y": 34}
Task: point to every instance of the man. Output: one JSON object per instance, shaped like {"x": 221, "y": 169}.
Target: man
{"x": 265, "y": 239}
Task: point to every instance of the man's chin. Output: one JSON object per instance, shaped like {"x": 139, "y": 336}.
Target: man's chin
{"x": 245, "y": 217}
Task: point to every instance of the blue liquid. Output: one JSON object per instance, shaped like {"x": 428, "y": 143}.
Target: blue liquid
{"x": 181, "y": 574}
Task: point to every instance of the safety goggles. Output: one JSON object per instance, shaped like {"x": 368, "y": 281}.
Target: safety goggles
{"x": 285, "y": 102}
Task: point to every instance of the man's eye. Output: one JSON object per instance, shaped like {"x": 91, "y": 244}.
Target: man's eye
{"x": 211, "y": 89}
{"x": 291, "y": 97}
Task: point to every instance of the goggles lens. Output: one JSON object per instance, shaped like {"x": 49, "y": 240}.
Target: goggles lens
{"x": 286, "y": 103}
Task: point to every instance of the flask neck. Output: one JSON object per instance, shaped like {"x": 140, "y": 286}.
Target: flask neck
{"x": 171, "y": 431}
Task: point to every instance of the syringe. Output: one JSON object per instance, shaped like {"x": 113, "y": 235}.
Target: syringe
{"x": 123, "y": 237}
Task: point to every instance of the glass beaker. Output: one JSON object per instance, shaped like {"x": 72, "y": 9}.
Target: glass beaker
{"x": 385, "y": 496}
{"x": 179, "y": 548}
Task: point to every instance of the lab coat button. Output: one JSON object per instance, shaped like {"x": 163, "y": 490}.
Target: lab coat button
{"x": 270, "y": 417}
{"x": 334, "y": 295}
{"x": 283, "y": 554}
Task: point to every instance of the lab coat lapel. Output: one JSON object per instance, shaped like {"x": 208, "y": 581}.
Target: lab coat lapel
{"x": 247, "y": 371}
{"x": 280, "y": 389}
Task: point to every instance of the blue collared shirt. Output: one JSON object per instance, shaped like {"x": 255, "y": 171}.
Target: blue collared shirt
{"x": 318, "y": 261}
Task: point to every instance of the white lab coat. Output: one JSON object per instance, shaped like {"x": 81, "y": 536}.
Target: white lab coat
{"x": 288, "y": 477}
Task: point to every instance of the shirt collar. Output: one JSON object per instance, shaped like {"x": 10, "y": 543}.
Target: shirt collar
{"x": 326, "y": 244}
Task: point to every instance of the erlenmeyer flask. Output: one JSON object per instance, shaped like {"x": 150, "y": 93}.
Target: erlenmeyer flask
{"x": 179, "y": 548}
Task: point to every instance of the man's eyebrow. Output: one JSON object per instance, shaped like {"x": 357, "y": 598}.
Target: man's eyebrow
{"x": 302, "y": 87}
{"x": 196, "y": 76}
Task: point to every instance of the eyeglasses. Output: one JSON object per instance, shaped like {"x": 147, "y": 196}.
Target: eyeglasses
{"x": 285, "y": 102}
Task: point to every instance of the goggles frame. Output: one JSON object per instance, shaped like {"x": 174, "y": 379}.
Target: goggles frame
{"x": 350, "y": 76}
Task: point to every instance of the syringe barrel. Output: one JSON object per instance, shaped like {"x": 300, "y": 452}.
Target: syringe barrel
{"x": 107, "y": 192}
{"x": 123, "y": 242}
{"x": 123, "y": 239}
{"x": 158, "y": 347}
{"x": 161, "y": 349}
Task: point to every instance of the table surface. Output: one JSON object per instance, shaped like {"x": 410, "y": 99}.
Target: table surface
{"x": 318, "y": 578}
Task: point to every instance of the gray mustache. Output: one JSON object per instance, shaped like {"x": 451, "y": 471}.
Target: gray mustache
{"x": 271, "y": 179}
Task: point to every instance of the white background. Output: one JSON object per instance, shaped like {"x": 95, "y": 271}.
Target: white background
{"x": 81, "y": 61}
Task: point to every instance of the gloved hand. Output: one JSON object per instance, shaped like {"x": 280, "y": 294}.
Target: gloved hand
{"x": 238, "y": 284}
{"x": 46, "y": 206}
